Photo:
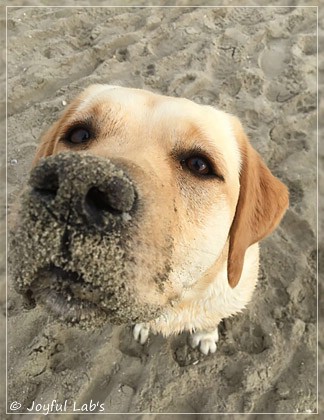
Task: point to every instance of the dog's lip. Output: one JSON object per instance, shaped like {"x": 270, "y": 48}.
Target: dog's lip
{"x": 68, "y": 296}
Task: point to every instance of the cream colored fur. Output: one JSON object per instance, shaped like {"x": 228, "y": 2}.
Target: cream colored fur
{"x": 215, "y": 225}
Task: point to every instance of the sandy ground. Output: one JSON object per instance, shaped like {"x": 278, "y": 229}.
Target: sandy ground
{"x": 259, "y": 64}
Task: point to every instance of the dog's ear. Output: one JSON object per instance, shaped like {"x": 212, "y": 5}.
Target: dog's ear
{"x": 47, "y": 143}
{"x": 49, "y": 139}
{"x": 262, "y": 202}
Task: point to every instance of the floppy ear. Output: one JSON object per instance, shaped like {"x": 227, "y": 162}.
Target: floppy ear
{"x": 262, "y": 202}
{"x": 49, "y": 139}
{"x": 47, "y": 144}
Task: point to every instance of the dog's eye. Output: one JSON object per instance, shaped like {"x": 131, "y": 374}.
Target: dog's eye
{"x": 78, "y": 135}
{"x": 198, "y": 165}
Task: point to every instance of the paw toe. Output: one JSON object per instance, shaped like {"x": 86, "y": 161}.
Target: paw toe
{"x": 141, "y": 333}
{"x": 205, "y": 340}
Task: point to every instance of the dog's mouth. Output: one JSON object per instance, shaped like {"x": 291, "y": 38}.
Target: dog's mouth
{"x": 70, "y": 298}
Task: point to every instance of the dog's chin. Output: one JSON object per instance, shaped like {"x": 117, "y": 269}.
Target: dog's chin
{"x": 73, "y": 300}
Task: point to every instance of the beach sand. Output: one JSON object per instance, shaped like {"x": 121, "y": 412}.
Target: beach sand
{"x": 257, "y": 63}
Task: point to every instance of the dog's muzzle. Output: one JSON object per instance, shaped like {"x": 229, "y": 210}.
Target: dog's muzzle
{"x": 72, "y": 250}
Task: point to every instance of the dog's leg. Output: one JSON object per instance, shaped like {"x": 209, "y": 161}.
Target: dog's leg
{"x": 141, "y": 332}
{"x": 205, "y": 340}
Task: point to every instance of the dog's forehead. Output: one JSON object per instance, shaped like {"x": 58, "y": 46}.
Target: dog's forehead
{"x": 147, "y": 103}
{"x": 167, "y": 114}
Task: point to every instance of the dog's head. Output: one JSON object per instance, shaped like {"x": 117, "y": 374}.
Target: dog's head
{"x": 132, "y": 198}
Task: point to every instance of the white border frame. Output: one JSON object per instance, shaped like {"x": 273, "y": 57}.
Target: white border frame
{"x": 6, "y": 218}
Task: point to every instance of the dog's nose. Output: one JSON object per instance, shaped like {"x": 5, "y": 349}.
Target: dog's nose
{"x": 87, "y": 185}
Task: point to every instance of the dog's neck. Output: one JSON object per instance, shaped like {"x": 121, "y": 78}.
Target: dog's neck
{"x": 217, "y": 270}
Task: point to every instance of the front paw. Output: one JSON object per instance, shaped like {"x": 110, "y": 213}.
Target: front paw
{"x": 141, "y": 332}
{"x": 205, "y": 340}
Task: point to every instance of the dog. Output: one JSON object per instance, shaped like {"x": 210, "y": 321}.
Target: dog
{"x": 146, "y": 209}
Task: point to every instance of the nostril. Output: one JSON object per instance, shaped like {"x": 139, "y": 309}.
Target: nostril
{"x": 97, "y": 201}
{"x": 114, "y": 198}
{"x": 47, "y": 185}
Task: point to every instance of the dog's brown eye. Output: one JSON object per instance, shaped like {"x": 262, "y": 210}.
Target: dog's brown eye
{"x": 198, "y": 165}
{"x": 78, "y": 136}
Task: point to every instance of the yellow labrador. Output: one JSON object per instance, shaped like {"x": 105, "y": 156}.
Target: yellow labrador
{"x": 150, "y": 209}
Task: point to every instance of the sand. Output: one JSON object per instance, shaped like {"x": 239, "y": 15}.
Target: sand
{"x": 259, "y": 64}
